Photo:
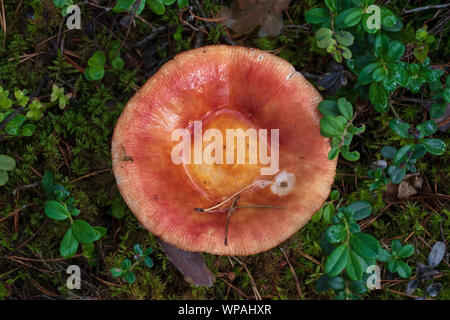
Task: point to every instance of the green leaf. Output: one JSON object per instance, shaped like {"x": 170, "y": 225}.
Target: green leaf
{"x": 337, "y": 260}
{"x": 344, "y": 38}
{"x": 331, "y": 5}
{"x": 395, "y": 51}
{"x": 446, "y": 95}
{"x": 395, "y": 246}
{"x": 7, "y": 163}
{"x": 117, "y": 210}
{"x": 95, "y": 73}
{"x": 126, "y": 264}
{"x": 331, "y": 126}
{"x": 427, "y": 128}
{"x": 336, "y": 233}
{"x": 435, "y": 146}
{"x": 362, "y": 209}
{"x": 60, "y": 3}
{"x": 329, "y": 108}
{"x": 334, "y": 152}
{"x": 355, "y": 130}
{"x": 117, "y": 63}
{"x": 55, "y": 210}
{"x": 182, "y": 3}
{"x": 69, "y": 245}
{"x": 129, "y": 277}
{"x": 345, "y": 108}
{"x": 438, "y": 110}
{"x": 123, "y": 5}
{"x": 365, "y": 245}
{"x": 328, "y": 213}
{"x": 3, "y": 177}
{"x": 354, "y": 266}
{"x": 48, "y": 181}
{"x": 389, "y": 21}
{"x": 88, "y": 251}
{"x": 84, "y": 232}
{"x": 365, "y": 76}
{"x": 381, "y": 45}
{"x": 396, "y": 174}
{"x": 98, "y": 59}
{"x": 419, "y": 151}
{"x": 384, "y": 255}
{"x": 378, "y": 97}
{"x": 336, "y": 283}
{"x": 138, "y": 249}
{"x": 402, "y": 154}
{"x": 400, "y": 73}
{"x": 379, "y": 74}
{"x": 334, "y": 195}
{"x": 27, "y": 130}
{"x": 400, "y": 128}
{"x": 101, "y": 232}
{"x": 317, "y": 16}
{"x": 349, "y": 155}
{"x": 148, "y": 261}
{"x": 403, "y": 269}
{"x": 358, "y": 287}
{"x": 156, "y": 6}
{"x": 353, "y": 17}
{"x": 324, "y": 38}
{"x": 116, "y": 272}
{"x": 405, "y": 251}
{"x": 13, "y": 126}
{"x": 322, "y": 284}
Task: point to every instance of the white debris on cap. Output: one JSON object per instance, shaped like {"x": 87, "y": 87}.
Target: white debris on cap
{"x": 263, "y": 183}
{"x": 284, "y": 183}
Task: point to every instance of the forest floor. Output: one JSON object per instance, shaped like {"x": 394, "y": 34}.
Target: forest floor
{"x": 74, "y": 144}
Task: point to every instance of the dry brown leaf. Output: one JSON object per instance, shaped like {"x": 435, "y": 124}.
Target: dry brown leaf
{"x": 407, "y": 188}
{"x": 245, "y": 15}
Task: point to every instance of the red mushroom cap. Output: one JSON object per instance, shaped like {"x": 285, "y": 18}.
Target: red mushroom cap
{"x": 225, "y": 87}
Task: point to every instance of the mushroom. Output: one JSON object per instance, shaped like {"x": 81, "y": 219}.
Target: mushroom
{"x": 195, "y": 206}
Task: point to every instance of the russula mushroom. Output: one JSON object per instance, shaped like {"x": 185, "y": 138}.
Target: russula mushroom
{"x": 196, "y": 205}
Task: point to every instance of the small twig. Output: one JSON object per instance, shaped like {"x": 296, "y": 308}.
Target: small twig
{"x": 437, "y": 6}
{"x": 90, "y": 175}
{"x": 153, "y": 34}
{"x": 31, "y": 185}
{"x": 299, "y": 289}
{"x": 17, "y": 211}
{"x": 252, "y": 281}
{"x": 228, "y": 219}
{"x": 239, "y": 207}
{"x": 236, "y": 289}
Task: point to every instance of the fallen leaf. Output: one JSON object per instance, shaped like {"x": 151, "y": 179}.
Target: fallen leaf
{"x": 245, "y": 15}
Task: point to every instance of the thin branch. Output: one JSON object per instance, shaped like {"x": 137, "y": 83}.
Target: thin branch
{"x": 437, "y": 6}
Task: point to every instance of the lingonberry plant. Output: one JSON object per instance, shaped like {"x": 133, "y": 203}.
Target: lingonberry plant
{"x": 126, "y": 267}
{"x": 376, "y": 57}
{"x": 344, "y": 30}
{"x": 337, "y": 124}
{"x": 351, "y": 253}
{"x": 59, "y": 207}
{"x": 403, "y": 159}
